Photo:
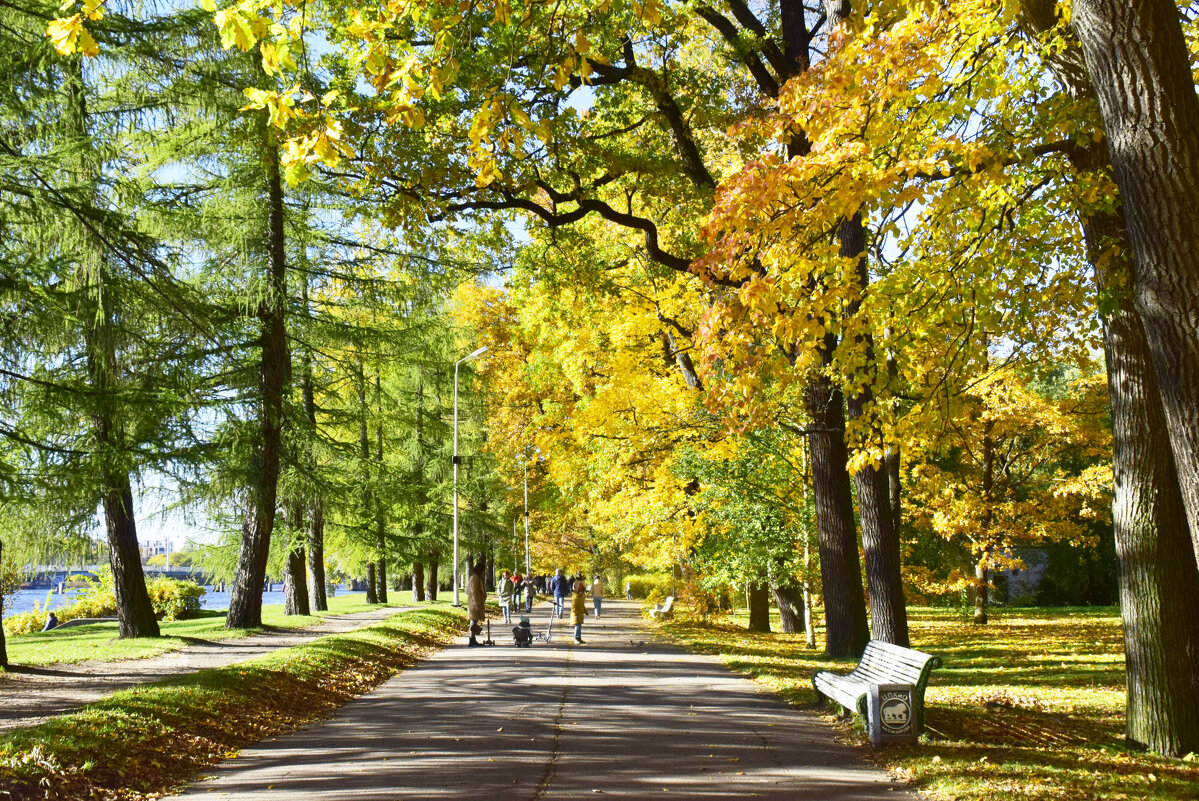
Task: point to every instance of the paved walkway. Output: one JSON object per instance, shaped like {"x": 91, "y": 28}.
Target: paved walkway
{"x": 33, "y": 694}
{"x": 621, "y": 716}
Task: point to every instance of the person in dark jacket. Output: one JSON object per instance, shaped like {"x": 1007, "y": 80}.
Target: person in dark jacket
{"x": 560, "y": 586}
{"x": 51, "y": 622}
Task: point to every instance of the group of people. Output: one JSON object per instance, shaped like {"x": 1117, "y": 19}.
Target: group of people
{"x": 513, "y": 589}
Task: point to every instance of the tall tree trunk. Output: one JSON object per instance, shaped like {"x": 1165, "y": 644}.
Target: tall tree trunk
{"x": 789, "y": 599}
{"x": 1159, "y": 587}
{"x": 134, "y": 611}
{"x": 372, "y": 596}
{"x": 418, "y": 581}
{"x": 1159, "y": 579}
{"x": 892, "y": 465}
{"x": 318, "y": 598}
{"x": 1140, "y": 70}
{"x": 380, "y": 511}
{"x": 245, "y": 601}
{"x": 3, "y": 645}
{"x": 809, "y": 624}
{"x": 840, "y": 567}
{"x": 431, "y": 586}
{"x": 759, "y": 608}
{"x": 295, "y": 583}
{"x": 316, "y": 507}
{"x": 846, "y": 634}
{"x": 982, "y": 587}
{"x": 880, "y": 536}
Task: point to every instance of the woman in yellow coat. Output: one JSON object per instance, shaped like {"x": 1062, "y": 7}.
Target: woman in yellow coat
{"x": 578, "y": 609}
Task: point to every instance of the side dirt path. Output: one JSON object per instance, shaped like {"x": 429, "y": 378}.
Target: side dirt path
{"x": 33, "y": 694}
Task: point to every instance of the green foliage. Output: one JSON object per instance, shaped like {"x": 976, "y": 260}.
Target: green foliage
{"x": 158, "y": 736}
{"x": 172, "y": 599}
{"x": 1029, "y": 707}
{"x": 645, "y": 585}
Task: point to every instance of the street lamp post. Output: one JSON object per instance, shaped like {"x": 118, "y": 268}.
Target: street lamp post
{"x": 475, "y": 354}
{"x": 528, "y": 556}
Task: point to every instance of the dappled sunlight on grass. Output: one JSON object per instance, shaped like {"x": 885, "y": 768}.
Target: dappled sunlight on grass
{"x": 142, "y": 741}
{"x": 1030, "y": 705}
{"x": 100, "y": 641}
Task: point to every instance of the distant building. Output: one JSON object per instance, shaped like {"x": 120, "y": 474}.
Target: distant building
{"x": 156, "y": 548}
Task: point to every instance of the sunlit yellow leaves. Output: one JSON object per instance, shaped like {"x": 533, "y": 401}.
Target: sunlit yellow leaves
{"x": 69, "y": 36}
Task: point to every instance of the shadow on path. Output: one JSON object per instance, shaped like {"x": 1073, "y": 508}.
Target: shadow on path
{"x": 34, "y": 694}
{"x": 623, "y": 715}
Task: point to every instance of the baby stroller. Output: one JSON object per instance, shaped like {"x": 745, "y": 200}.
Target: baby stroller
{"x": 522, "y": 633}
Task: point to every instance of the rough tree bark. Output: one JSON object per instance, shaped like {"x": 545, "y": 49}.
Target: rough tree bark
{"x": 418, "y": 581}
{"x": 317, "y": 596}
{"x": 788, "y": 597}
{"x": 295, "y": 583}
{"x": 245, "y": 600}
{"x": 431, "y": 586}
{"x": 759, "y": 608}
{"x": 3, "y": 645}
{"x": 1140, "y": 70}
{"x": 880, "y": 537}
{"x": 372, "y": 596}
{"x": 316, "y": 508}
{"x": 1159, "y": 587}
{"x": 982, "y": 587}
{"x": 380, "y": 511}
{"x": 1159, "y": 580}
{"x": 846, "y": 634}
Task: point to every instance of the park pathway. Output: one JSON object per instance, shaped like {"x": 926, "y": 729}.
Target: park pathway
{"x": 621, "y": 716}
{"x": 29, "y": 695}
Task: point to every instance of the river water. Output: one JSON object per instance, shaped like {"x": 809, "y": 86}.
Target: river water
{"x": 23, "y": 600}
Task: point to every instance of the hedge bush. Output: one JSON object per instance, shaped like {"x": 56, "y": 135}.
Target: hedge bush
{"x": 172, "y": 599}
{"x": 645, "y": 583}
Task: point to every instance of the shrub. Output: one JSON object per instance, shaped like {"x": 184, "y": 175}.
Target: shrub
{"x": 173, "y": 599}
{"x": 645, "y": 583}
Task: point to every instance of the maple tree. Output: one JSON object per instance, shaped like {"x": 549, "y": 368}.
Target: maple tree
{"x": 850, "y": 230}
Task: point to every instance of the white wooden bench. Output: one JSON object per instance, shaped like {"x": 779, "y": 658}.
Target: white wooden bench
{"x": 663, "y": 609}
{"x": 882, "y": 663}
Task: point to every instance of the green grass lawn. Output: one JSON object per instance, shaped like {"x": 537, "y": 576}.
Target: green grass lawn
{"x": 141, "y": 742}
{"x": 100, "y": 641}
{"x": 1030, "y": 706}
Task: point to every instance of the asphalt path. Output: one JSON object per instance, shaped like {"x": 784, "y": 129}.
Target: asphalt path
{"x": 623, "y": 715}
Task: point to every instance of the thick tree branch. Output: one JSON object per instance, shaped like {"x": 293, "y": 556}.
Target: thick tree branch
{"x": 748, "y": 55}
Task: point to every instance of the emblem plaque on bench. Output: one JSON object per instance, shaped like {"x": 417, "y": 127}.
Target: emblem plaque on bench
{"x": 891, "y": 713}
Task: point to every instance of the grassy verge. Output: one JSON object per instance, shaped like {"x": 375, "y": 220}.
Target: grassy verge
{"x": 145, "y": 741}
{"x": 100, "y": 641}
{"x": 1030, "y": 706}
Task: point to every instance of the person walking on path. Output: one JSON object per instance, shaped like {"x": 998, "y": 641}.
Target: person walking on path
{"x": 505, "y": 590}
{"x": 476, "y": 603}
{"x": 560, "y": 587}
{"x": 597, "y": 596}
{"x": 628, "y": 590}
{"x": 578, "y": 610}
{"x": 530, "y": 589}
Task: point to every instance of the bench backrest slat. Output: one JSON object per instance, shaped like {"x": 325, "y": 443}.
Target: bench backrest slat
{"x": 883, "y": 662}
